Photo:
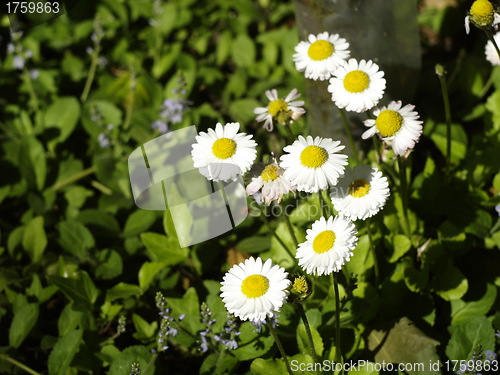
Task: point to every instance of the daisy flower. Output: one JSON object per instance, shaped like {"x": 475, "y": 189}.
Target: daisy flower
{"x": 361, "y": 193}
{"x": 284, "y": 111}
{"x": 490, "y": 51}
{"x": 482, "y": 14}
{"x": 272, "y": 183}
{"x": 328, "y": 246}
{"x": 313, "y": 164}
{"x": 253, "y": 291}
{"x": 396, "y": 124}
{"x": 357, "y": 86}
{"x": 320, "y": 55}
{"x": 223, "y": 153}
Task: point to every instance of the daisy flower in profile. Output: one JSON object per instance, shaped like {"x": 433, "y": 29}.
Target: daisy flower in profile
{"x": 284, "y": 111}
{"x": 482, "y": 14}
{"x": 396, "y": 124}
{"x": 253, "y": 291}
{"x": 320, "y": 55}
{"x": 490, "y": 51}
{"x": 223, "y": 153}
{"x": 360, "y": 193}
{"x": 313, "y": 164}
{"x": 272, "y": 183}
{"x": 357, "y": 87}
{"x": 328, "y": 246}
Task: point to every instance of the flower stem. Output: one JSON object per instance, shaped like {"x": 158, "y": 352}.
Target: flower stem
{"x": 349, "y": 135}
{"x": 74, "y": 178}
{"x": 324, "y": 207}
{"x": 374, "y": 253}
{"x": 280, "y": 347}
{"x": 444, "y": 92}
{"x": 403, "y": 184}
{"x": 29, "y": 84}
{"x": 492, "y": 40}
{"x": 275, "y": 235}
{"x": 290, "y": 228}
{"x": 22, "y": 366}
{"x": 303, "y": 316}
{"x": 91, "y": 74}
{"x": 338, "y": 351}
{"x": 289, "y": 133}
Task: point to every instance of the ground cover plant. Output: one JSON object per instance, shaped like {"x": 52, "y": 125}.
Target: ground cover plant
{"x": 372, "y": 252}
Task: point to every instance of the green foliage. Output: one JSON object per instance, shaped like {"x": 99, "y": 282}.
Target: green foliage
{"x": 80, "y": 263}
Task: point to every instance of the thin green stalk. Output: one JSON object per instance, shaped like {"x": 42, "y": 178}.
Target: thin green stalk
{"x": 18, "y": 364}
{"x": 323, "y": 205}
{"x": 374, "y": 253}
{"x": 91, "y": 74}
{"x": 338, "y": 350}
{"x": 151, "y": 362}
{"x": 492, "y": 40}
{"x": 447, "y": 112}
{"x": 280, "y": 347}
{"x": 29, "y": 84}
{"x": 404, "y": 192}
{"x": 275, "y": 235}
{"x": 75, "y": 177}
{"x": 376, "y": 146}
{"x": 290, "y": 228}
{"x": 290, "y": 133}
{"x": 349, "y": 135}
{"x": 128, "y": 111}
{"x": 303, "y": 316}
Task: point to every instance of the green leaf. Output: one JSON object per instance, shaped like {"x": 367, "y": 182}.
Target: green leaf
{"x": 62, "y": 114}
{"x": 144, "y": 330}
{"x": 75, "y": 238}
{"x": 303, "y": 341}
{"x": 251, "y": 343}
{"x": 164, "y": 249}
{"x": 401, "y": 245}
{"x": 278, "y": 253}
{"x": 243, "y": 51}
{"x": 458, "y": 140}
{"x": 362, "y": 260}
{"x": 69, "y": 320}
{"x": 81, "y": 290}
{"x": 216, "y": 364}
{"x": 32, "y": 163}
{"x": 404, "y": 343}
{"x": 462, "y": 311}
{"x": 189, "y": 305}
{"x": 139, "y": 354}
{"x": 254, "y": 244}
{"x": 23, "y": 322}
{"x": 450, "y": 283}
{"x": 147, "y": 273}
{"x": 138, "y": 222}
{"x": 110, "y": 264}
{"x": 466, "y": 336}
{"x": 35, "y": 239}
{"x": 268, "y": 367}
{"x": 123, "y": 290}
{"x": 62, "y": 355}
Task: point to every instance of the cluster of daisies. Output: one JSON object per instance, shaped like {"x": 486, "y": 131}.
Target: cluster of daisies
{"x": 255, "y": 290}
{"x": 483, "y": 15}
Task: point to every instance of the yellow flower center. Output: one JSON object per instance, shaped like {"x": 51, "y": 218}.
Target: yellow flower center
{"x": 320, "y": 50}
{"x": 356, "y": 81}
{"x": 224, "y": 148}
{"x": 388, "y": 122}
{"x": 255, "y": 286}
{"x": 324, "y": 241}
{"x": 359, "y": 188}
{"x": 482, "y": 12}
{"x": 313, "y": 156}
{"x": 277, "y": 106}
{"x": 270, "y": 173}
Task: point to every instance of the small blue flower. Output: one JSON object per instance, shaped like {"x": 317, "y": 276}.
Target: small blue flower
{"x": 18, "y": 62}
{"x": 161, "y": 126}
{"x": 103, "y": 140}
